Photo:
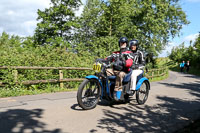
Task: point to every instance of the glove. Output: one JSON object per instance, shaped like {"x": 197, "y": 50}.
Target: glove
{"x": 134, "y": 66}
{"x": 100, "y": 60}
{"x": 125, "y": 56}
{"x": 117, "y": 66}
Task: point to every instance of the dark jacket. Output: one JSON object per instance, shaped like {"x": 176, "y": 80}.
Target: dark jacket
{"x": 124, "y": 58}
{"x": 138, "y": 60}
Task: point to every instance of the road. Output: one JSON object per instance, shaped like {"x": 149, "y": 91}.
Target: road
{"x": 172, "y": 103}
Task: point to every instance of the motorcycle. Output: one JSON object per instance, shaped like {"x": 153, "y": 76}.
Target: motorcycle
{"x": 101, "y": 87}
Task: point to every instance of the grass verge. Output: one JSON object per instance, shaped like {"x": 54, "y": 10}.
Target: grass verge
{"x": 33, "y": 90}
{"x": 160, "y": 78}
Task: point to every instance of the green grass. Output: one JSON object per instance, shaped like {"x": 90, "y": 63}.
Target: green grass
{"x": 17, "y": 91}
{"x": 160, "y": 78}
{"x": 33, "y": 90}
{"x": 161, "y": 63}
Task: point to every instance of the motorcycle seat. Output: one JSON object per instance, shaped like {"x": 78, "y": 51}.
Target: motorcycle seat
{"x": 127, "y": 77}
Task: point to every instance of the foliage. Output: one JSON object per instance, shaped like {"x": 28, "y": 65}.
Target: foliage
{"x": 56, "y": 23}
{"x": 14, "y": 52}
{"x": 152, "y": 22}
{"x": 191, "y": 53}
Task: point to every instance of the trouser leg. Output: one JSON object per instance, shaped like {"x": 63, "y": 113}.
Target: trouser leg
{"x": 119, "y": 78}
{"x": 134, "y": 75}
{"x": 110, "y": 72}
{"x": 188, "y": 69}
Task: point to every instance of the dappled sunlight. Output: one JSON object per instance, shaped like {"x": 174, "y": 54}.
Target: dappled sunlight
{"x": 21, "y": 120}
{"x": 145, "y": 118}
{"x": 170, "y": 114}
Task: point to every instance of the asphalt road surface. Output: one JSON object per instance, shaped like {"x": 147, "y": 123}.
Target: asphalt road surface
{"x": 172, "y": 103}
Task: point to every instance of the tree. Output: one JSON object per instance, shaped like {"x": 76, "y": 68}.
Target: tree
{"x": 177, "y": 53}
{"x": 151, "y": 21}
{"x": 197, "y": 46}
{"x": 56, "y": 22}
{"x": 4, "y": 38}
{"x": 191, "y": 53}
{"x": 197, "y": 42}
{"x": 88, "y": 37}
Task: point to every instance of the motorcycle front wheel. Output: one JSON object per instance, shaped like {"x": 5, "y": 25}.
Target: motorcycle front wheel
{"x": 142, "y": 93}
{"x": 88, "y": 94}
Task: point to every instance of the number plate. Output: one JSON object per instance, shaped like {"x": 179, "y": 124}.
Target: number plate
{"x": 97, "y": 67}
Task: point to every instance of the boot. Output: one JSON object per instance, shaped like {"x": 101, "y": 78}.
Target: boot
{"x": 117, "y": 95}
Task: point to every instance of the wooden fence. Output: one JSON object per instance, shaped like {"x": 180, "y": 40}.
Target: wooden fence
{"x": 149, "y": 74}
{"x": 153, "y": 73}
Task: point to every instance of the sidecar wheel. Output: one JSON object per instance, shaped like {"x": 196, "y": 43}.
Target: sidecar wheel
{"x": 142, "y": 93}
{"x": 88, "y": 94}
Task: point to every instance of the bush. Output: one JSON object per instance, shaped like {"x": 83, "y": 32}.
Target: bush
{"x": 14, "y": 51}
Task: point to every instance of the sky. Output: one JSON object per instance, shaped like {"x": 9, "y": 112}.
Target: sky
{"x": 18, "y": 17}
{"x": 189, "y": 32}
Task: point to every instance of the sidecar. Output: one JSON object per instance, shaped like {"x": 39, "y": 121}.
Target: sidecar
{"x": 142, "y": 88}
{"x": 99, "y": 86}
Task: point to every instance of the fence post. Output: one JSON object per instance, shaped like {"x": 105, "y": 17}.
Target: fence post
{"x": 15, "y": 74}
{"x": 61, "y": 77}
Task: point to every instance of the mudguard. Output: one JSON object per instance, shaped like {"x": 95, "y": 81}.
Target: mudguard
{"x": 139, "y": 83}
{"x": 92, "y": 77}
{"x": 95, "y": 77}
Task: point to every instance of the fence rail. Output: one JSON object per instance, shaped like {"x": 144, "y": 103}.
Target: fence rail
{"x": 153, "y": 73}
{"x": 44, "y": 68}
{"x": 149, "y": 74}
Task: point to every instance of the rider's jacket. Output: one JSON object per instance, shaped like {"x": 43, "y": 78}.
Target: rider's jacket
{"x": 138, "y": 59}
{"x": 123, "y": 54}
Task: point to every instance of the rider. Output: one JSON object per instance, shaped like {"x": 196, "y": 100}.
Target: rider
{"x": 121, "y": 65}
{"x": 138, "y": 62}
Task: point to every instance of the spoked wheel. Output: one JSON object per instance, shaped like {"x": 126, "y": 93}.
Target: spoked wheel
{"x": 142, "y": 93}
{"x": 89, "y": 94}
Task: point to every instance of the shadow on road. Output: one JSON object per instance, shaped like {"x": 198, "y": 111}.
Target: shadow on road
{"x": 192, "y": 88}
{"x": 192, "y": 76}
{"x": 21, "y": 121}
{"x": 167, "y": 116}
{"x": 76, "y": 107}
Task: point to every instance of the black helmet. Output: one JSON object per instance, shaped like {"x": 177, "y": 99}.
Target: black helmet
{"x": 133, "y": 42}
{"x": 123, "y": 40}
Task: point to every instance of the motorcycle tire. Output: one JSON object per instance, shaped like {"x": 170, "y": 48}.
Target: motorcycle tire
{"x": 142, "y": 93}
{"x": 88, "y": 94}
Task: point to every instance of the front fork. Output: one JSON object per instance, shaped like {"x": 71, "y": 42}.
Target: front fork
{"x": 106, "y": 91}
